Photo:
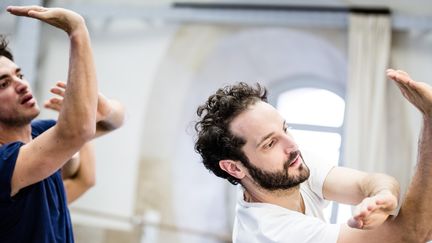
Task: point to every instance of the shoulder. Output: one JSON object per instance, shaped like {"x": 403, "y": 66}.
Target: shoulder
{"x": 8, "y": 150}
{"x": 8, "y": 156}
{"x": 40, "y": 126}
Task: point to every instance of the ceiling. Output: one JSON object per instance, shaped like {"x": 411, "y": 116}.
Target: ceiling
{"x": 412, "y": 12}
{"x": 405, "y": 7}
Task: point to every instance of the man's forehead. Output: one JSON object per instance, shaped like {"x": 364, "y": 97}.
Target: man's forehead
{"x": 256, "y": 122}
{"x": 6, "y": 64}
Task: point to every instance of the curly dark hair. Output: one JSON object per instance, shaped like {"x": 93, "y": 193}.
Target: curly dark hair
{"x": 4, "y": 50}
{"x": 215, "y": 141}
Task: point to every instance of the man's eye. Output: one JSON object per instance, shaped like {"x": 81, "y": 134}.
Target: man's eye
{"x": 4, "y": 84}
{"x": 20, "y": 76}
{"x": 271, "y": 144}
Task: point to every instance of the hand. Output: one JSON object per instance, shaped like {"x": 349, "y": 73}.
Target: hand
{"x": 61, "y": 18}
{"x": 418, "y": 93}
{"x": 373, "y": 211}
{"x": 55, "y": 103}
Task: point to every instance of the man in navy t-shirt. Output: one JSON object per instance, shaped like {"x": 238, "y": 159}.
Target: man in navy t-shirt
{"x": 33, "y": 204}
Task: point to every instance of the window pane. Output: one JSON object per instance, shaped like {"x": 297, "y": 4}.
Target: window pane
{"x": 312, "y": 106}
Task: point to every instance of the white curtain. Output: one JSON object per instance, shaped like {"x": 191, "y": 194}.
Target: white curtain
{"x": 377, "y": 134}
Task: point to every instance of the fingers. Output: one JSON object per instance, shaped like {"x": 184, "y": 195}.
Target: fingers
{"x": 365, "y": 207}
{"x": 400, "y": 77}
{"x": 355, "y": 223}
{"x": 406, "y": 85}
{"x": 29, "y": 11}
{"x": 59, "y": 89}
{"x": 54, "y": 104}
{"x": 372, "y": 211}
{"x": 61, "y": 84}
{"x": 64, "y": 19}
{"x": 417, "y": 93}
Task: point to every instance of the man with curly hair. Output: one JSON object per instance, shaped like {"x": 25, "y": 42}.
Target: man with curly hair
{"x": 245, "y": 140}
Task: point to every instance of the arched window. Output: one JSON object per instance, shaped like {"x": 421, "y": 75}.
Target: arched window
{"x": 314, "y": 110}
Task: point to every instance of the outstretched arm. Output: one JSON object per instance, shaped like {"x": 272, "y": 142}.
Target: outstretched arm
{"x": 376, "y": 195}
{"x": 44, "y": 155}
{"x": 414, "y": 221}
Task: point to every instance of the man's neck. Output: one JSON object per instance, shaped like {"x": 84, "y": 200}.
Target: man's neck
{"x": 10, "y": 134}
{"x": 289, "y": 198}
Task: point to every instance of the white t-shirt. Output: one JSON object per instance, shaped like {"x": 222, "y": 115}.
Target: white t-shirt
{"x": 265, "y": 223}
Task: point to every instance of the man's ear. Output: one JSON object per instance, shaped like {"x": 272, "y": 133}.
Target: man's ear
{"x": 233, "y": 168}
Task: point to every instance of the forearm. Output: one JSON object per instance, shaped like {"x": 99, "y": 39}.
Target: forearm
{"x": 419, "y": 196}
{"x": 376, "y": 183}
{"x": 85, "y": 178}
{"x": 78, "y": 113}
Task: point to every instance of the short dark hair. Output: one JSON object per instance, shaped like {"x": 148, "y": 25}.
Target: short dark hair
{"x": 4, "y": 50}
{"x": 215, "y": 141}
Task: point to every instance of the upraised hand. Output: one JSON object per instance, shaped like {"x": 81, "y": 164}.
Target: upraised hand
{"x": 418, "y": 93}
{"x": 64, "y": 19}
{"x": 373, "y": 211}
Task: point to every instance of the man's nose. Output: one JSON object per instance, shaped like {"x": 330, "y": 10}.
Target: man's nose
{"x": 289, "y": 144}
{"x": 21, "y": 85}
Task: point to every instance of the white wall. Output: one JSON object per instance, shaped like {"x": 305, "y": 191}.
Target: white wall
{"x": 126, "y": 62}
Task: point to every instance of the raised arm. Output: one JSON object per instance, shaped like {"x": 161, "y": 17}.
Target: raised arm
{"x": 44, "y": 155}
{"x": 416, "y": 209}
{"x": 414, "y": 221}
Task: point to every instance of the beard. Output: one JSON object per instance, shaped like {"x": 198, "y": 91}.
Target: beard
{"x": 279, "y": 180}
{"x": 18, "y": 121}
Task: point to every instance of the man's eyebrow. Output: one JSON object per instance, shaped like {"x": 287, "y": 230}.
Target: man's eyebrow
{"x": 265, "y": 138}
{"x": 18, "y": 70}
{"x": 284, "y": 124}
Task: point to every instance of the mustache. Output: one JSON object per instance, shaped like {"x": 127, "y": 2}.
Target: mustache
{"x": 293, "y": 155}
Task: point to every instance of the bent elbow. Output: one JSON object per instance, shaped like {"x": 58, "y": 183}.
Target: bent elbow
{"x": 90, "y": 182}
{"x": 80, "y": 134}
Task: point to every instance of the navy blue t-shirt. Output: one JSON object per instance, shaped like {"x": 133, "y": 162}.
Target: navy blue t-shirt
{"x": 37, "y": 213}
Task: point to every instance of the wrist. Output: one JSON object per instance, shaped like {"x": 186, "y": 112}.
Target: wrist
{"x": 78, "y": 30}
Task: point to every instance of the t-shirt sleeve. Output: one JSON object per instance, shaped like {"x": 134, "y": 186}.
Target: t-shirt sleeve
{"x": 8, "y": 157}
{"x": 40, "y": 126}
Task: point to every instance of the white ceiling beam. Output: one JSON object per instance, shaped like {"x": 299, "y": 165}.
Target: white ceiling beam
{"x": 167, "y": 13}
